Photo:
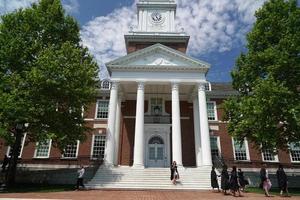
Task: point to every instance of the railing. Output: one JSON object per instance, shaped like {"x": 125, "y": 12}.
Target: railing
{"x": 153, "y": 119}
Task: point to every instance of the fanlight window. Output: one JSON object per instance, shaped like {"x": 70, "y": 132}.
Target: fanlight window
{"x": 156, "y": 140}
{"x": 105, "y": 85}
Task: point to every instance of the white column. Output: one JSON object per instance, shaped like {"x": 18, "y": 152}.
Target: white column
{"x": 117, "y": 131}
{"x": 197, "y": 135}
{"x": 176, "y": 127}
{"x": 138, "y": 154}
{"x": 110, "y": 132}
{"x": 204, "y": 130}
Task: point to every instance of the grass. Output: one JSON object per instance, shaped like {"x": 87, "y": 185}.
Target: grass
{"x": 23, "y": 188}
{"x": 274, "y": 191}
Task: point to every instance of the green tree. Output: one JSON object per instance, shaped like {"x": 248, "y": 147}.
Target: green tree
{"x": 46, "y": 78}
{"x": 267, "y": 77}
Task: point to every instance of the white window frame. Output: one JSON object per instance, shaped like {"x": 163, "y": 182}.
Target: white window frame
{"x": 49, "y": 149}
{"x": 292, "y": 158}
{"x": 77, "y": 150}
{"x": 218, "y": 144}
{"x": 215, "y": 111}
{"x": 22, "y": 146}
{"x": 275, "y": 157}
{"x": 96, "y": 113}
{"x": 247, "y": 150}
{"x": 92, "y": 149}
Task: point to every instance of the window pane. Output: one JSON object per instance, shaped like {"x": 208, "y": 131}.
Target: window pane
{"x": 160, "y": 153}
{"x": 99, "y": 147}
{"x": 240, "y": 151}
{"x": 152, "y": 153}
{"x": 102, "y": 111}
{"x": 42, "y": 149}
{"x": 211, "y": 111}
{"x": 295, "y": 152}
{"x": 214, "y": 147}
{"x": 70, "y": 151}
{"x": 268, "y": 155}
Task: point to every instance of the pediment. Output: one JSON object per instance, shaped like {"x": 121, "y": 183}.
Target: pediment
{"x": 157, "y": 58}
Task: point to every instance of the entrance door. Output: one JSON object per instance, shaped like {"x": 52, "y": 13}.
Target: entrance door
{"x": 156, "y": 152}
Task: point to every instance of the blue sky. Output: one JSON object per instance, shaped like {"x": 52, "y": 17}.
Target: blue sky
{"x": 217, "y": 28}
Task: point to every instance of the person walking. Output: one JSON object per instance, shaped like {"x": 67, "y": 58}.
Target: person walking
{"x": 241, "y": 179}
{"x": 80, "y": 173}
{"x": 174, "y": 172}
{"x": 265, "y": 181}
{"x": 282, "y": 181}
{"x": 224, "y": 180}
{"x": 214, "y": 179}
{"x": 234, "y": 183}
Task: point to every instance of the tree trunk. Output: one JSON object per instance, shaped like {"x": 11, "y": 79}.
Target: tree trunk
{"x": 13, "y": 161}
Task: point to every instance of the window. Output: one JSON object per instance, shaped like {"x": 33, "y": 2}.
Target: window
{"x": 207, "y": 86}
{"x": 9, "y": 149}
{"x": 156, "y": 106}
{"x": 105, "y": 85}
{"x": 295, "y": 152}
{"x": 42, "y": 149}
{"x": 269, "y": 155}
{"x": 215, "y": 146}
{"x": 211, "y": 111}
{"x": 71, "y": 150}
{"x": 241, "y": 151}
{"x": 102, "y": 109}
{"x": 98, "y": 147}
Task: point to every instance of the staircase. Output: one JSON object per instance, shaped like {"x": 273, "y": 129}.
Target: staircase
{"x": 125, "y": 177}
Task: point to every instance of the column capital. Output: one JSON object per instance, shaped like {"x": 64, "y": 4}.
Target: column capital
{"x": 201, "y": 86}
{"x": 175, "y": 85}
{"x": 114, "y": 85}
{"x": 141, "y": 85}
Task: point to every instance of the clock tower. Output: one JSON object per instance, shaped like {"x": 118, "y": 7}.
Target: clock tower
{"x": 156, "y": 24}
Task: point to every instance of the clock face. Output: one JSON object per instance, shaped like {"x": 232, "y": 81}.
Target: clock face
{"x": 156, "y": 17}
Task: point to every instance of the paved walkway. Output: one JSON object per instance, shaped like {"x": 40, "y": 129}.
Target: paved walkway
{"x": 132, "y": 195}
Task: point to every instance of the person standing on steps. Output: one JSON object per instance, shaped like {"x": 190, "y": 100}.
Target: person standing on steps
{"x": 80, "y": 173}
{"x": 214, "y": 179}
{"x": 174, "y": 172}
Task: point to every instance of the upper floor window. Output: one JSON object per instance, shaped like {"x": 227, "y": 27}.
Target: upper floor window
{"x": 9, "y": 149}
{"x": 241, "y": 151}
{"x": 269, "y": 155}
{"x": 212, "y": 111}
{"x": 42, "y": 149}
{"x": 207, "y": 86}
{"x": 98, "y": 146}
{"x": 71, "y": 150}
{"x": 156, "y": 106}
{"x": 105, "y": 85}
{"x": 295, "y": 152}
{"x": 102, "y": 109}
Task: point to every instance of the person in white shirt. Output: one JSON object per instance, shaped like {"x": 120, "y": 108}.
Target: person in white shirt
{"x": 80, "y": 173}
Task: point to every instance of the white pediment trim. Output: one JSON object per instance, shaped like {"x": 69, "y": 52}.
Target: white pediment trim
{"x": 157, "y": 57}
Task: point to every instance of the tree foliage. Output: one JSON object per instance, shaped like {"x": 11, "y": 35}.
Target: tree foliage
{"x": 267, "y": 77}
{"x": 46, "y": 76}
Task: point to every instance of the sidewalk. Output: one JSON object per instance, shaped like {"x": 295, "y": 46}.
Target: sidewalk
{"x": 133, "y": 195}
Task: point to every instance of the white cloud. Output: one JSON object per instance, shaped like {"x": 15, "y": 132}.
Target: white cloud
{"x": 6, "y": 6}
{"x": 71, "y": 6}
{"x": 214, "y": 26}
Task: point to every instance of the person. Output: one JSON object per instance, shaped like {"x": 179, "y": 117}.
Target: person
{"x": 214, "y": 179}
{"x": 233, "y": 182}
{"x": 80, "y": 172}
{"x": 224, "y": 180}
{"x": 241, "y": 180}
{"x": 5, "y": 163}
{"x": 282, "y": 181}
{"x": 265, "y": 181}
{"x": 174, "y": 172}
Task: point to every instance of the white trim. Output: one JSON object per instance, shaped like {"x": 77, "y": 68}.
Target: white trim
{"x": 246, "y": 147}
{"x": 215, "y": 110}
{"x": 77, "y": 149}
{"x": 49, "y": 149}
{"x": 22, "y": 146}
{"x": 96, "y": 112}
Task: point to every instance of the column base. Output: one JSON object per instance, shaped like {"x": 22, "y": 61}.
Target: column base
{"x": 137, "y": 166}
{"x": 107, "y": 165}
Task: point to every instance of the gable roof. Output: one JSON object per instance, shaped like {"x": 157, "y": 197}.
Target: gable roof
{"x": 157, "y": 57}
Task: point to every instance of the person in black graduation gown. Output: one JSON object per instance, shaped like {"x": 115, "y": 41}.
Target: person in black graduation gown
{"x": 241, "y": 179}
{"x": 282, "y": 181}
{"x": 224, "y": 180}
{"x": 174, "y": 172}
{"x": 214, "y": 179}
{"x": 234, "y": 183}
